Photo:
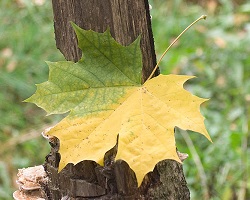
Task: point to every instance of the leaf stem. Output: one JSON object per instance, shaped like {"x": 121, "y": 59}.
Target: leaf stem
{"x": 157, "y": 65}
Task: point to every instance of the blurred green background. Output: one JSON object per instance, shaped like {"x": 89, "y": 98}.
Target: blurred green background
{"x": 217, "y": 51}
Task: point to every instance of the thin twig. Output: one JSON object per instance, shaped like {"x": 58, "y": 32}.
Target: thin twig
{"x": 198, "y": 164}
{"x": 244, "y": 159}
{"x": 23, "y": 137}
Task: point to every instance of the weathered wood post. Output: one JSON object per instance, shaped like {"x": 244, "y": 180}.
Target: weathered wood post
{"x": 127, "y": 20}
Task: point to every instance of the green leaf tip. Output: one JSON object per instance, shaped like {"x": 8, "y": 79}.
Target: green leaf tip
{"x": 105, "y": 67}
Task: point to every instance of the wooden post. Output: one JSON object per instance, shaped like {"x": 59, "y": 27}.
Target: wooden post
{"x": 87, "y": 180}
{"x": 126, "y": 20}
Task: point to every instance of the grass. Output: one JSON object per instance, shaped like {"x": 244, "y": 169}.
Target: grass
{"x": 27, "y": 40}
{"x": 216, "y": 51}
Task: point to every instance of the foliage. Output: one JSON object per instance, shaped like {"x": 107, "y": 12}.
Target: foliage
{"x": 104, "y": 95}
{"x": 27, "y": 39}
{"x": 216, "y": 50}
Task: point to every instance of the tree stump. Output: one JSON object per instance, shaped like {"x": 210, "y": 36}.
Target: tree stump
{"x": 115, "y": 180}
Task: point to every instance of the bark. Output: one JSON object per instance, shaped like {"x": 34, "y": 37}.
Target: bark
{"x": 115, "y": 180}
{"x": 126, "y": 19}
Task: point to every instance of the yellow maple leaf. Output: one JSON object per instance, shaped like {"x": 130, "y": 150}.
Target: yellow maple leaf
{"x": 145, "y": 121}
{"x": 104, "y": 95}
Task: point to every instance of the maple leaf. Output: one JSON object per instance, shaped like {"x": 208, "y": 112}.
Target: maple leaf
{"x": 105, "y": 97}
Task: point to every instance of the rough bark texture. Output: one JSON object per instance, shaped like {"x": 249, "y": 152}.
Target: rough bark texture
{"x": 127, "y": 20}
